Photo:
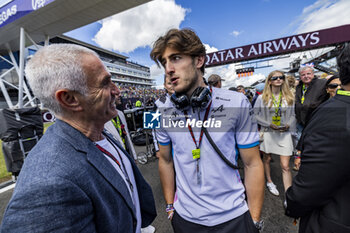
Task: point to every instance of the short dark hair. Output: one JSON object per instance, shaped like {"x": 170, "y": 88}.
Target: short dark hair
{"x": 343, "y": 61}
{"x": 214, "y": 79}
{"x": 185, "y": 41}
{"x": 331, "y": 79}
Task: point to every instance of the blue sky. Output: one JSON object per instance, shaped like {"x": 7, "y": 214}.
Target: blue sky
{"x": 220, "y": 24}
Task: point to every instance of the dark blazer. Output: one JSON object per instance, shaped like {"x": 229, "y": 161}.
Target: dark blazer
{"x": 67, "y": 185}
{"x": 320, "y": 193}
{"x": 314, "y": 96}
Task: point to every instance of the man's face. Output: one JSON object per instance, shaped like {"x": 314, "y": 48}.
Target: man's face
{"x": 183, "y": 70}
{"x": 100, "y": 101}
{"x": 306, "y": 76}
{"x": 168, "y": 86}
{"x": 241, "y": 90}
{"x": 333, "y": 86}
{"x": 118, "y": 97}
{"x": 219, "y": 85}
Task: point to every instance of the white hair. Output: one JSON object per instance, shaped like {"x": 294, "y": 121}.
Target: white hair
{"x": 301, "y": 69}
{"x": 55, "y": 67}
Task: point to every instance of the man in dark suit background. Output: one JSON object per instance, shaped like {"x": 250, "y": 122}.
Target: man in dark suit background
{"x": 309, "y": 94}
{"x": 320, "y": 193}
{"x": 77, "y": 178}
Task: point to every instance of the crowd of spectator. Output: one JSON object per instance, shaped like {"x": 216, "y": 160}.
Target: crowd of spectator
{"x": 131, "y": 93}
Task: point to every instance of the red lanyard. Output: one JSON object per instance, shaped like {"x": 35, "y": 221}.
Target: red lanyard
{"x": 190, "y": 128}
{"x": 106, "y": 152}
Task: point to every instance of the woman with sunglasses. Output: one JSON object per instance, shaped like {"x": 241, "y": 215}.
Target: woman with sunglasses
{"x": 274, "y": 111}
{"x": 332, "y": 85}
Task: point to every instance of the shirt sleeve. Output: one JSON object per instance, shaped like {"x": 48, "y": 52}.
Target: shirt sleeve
{"x": 259, "y": 114}
{"x": 290, "y": 115}
{"x": 162, "y": 136}
{"x": 246, "y": 129}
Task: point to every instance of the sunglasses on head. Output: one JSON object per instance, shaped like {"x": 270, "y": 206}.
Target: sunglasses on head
{"x": 277, "y": 77}
{"x": 333, "y": 85}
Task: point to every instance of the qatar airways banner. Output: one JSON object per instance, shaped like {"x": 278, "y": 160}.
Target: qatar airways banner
{"x": 11, "y": 10}
{"x": 305, "y": 41}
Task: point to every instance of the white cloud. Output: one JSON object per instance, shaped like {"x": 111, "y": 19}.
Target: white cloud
{"x": 209, "y": 49}
{"x": 315, "y": 6}
{"x": 139, "y": 26}
{"x": 321, "y": 14}
{"x": 156, "y": 71}
{"x": 324, "y": 14}
{"x": 236, "y": 33}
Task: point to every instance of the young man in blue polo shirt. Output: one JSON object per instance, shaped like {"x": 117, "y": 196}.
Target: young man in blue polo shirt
{"x": 209, "y": 195}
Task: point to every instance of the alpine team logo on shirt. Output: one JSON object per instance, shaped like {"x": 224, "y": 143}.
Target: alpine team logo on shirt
{"x": 151, "y": 120}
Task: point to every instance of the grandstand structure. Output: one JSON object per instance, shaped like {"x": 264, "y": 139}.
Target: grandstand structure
{"x": 124, "y": 72}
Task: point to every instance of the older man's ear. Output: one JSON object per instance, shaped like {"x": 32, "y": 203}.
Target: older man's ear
{"x": 68, "y": 100}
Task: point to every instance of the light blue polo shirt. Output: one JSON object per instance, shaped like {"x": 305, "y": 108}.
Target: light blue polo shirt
{"x": 218, "y": 196}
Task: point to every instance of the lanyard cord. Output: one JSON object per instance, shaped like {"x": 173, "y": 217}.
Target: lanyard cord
{"x": 277, "y": 105}
{"x": 201, "y": 134}
{"x": 118, "y": 125}
{"x": 106, "y": 152}
{"x": 303, "y": 96}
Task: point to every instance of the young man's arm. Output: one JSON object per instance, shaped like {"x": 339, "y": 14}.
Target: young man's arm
{"x": 254, "y": 180}
{"x": 166, "y": 173}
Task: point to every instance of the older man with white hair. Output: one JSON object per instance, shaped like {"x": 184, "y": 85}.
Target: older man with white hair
{"x": 309, "y": 94}
{"x": 77, "y": 178}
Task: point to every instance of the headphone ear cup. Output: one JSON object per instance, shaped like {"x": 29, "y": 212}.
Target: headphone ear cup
{"x": 200, "y": 98}
{"x": 181, "y": 102}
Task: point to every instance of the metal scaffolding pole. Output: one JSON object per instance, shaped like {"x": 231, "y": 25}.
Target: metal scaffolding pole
{"x": 3, "y": 89}
{"x": 47, "y": 40}
{"x": 21, "y": 68}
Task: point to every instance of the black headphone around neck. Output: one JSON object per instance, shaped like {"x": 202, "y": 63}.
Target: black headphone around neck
{"x": 200, "y": 98}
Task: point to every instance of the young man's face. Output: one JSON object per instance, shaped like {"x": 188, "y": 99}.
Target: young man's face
{"x": 183, "y": 70}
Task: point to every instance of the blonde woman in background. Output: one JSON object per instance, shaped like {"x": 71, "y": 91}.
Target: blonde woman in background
{"x": 292, "y": 82}
{"x": 274, "y": 111}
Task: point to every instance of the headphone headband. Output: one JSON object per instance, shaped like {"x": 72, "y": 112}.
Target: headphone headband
{"x": 200, "y": 98}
